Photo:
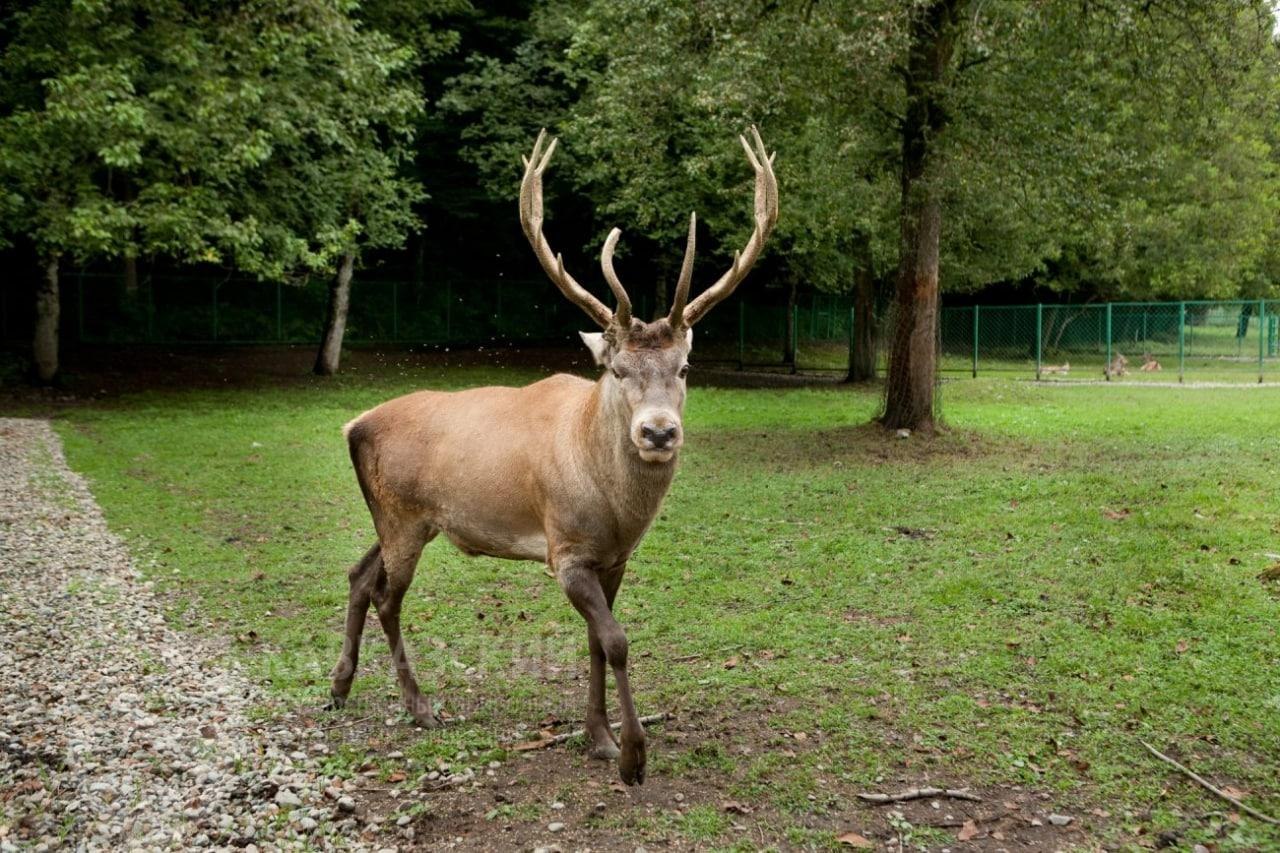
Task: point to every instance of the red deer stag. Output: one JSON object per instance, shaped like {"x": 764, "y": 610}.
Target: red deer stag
{"x": 564, "y": 471}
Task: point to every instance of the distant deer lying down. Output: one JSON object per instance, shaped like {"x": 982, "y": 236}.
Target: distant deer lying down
{"x": 1149, "y": 364}
{"x": 564, "y": 471}
{"x": 1063, "y": 368}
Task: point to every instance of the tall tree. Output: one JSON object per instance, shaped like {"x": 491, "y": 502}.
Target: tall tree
{"x": 933, "y": 32}
{"x": 161, "y": 128}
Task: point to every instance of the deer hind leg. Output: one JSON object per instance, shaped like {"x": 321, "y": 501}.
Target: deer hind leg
{"x": 361, "y": 578}
{"x": 586, "y": 590}
{"x": 400, "y": 559}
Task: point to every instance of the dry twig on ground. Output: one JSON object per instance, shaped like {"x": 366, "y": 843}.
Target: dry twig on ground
{"x": 1208, "y": 786}
{"x": 545, "y": 742}
{"x": 920, "y": 794}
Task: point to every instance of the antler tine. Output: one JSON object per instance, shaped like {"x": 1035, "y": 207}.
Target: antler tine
{"x": 766, "y": 216}
{"x": 623, "y": 315}
{"x": 676, "y": 317}
{"x": 531, "y": 223}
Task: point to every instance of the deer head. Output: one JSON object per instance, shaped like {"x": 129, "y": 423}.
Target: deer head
{"x": 646, "y": 363}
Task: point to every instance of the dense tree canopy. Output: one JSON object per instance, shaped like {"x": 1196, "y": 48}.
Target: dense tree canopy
{"x": 1070, "y": 136}
{"x": 265, "y": 136}
{"x": 1099, "y": 149}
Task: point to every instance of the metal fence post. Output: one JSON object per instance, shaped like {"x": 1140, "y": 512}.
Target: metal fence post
{"x": 742, "y": 334}
{"x": 448, "y": 308}
{"x": 975, "y": 341}
{"x": 1262, "y": 336}
{"x": 795, "y": 337}
{"x": 80, "y": 307}
{"x": 1107, "y": 370}
{"x": 1182, "y": 340}
{"x": 1039, "y": 338}
{"x": 852, "y": 309}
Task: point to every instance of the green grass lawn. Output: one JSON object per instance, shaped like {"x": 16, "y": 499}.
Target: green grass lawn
{"x": 1064, "y": 572}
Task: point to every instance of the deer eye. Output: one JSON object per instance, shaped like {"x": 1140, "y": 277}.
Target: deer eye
{"x": 684, "y": 371}
{"x": 617, "y": 374}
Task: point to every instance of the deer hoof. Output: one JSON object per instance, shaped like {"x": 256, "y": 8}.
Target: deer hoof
{"x": 631, "y": 764}
{"x": 336, "y": 702}
{"x": 423, "y": 713}
{"x": 605, "y": 751}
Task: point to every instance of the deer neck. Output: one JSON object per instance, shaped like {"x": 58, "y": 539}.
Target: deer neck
{"x": 633, "y": 487}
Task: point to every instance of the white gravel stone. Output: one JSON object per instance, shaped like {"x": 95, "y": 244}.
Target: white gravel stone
{"x": 113, "y": 721}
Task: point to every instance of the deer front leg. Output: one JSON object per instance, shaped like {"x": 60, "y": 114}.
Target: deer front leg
{"x": 585, "y": 589}
{"x": 603, "y": 744}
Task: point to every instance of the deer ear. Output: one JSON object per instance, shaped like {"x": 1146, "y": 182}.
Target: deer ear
{"x": 598, "y": 345}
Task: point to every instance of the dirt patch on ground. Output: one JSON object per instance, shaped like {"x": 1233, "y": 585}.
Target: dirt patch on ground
{"x": 560, "y": 798}
{"x": 781, "y": 449}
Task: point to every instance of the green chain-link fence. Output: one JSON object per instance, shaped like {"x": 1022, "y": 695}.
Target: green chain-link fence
{"x": 1205, "y": 341}
{"x": 198, "y": 310}
{"x": 754, "y": 329}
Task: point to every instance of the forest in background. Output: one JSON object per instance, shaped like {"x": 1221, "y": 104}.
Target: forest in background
{"x": 998, "y": 150}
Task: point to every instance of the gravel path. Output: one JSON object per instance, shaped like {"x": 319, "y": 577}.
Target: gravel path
{"x": 117, "y": 732}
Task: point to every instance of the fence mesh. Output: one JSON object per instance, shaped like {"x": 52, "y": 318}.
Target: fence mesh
{"x": 755, "y": 328}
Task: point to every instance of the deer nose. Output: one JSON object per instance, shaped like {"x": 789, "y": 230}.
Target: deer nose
{"x": 659, "y": 437}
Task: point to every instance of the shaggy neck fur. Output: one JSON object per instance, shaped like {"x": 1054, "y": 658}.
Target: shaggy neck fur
{"x": 634, "y": 488}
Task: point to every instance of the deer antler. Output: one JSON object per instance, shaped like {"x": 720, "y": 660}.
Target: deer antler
{"x": 686, "y": 275}
{"x": 623, "y": 315}
{"x": 766, "y": 217}
{"x": 553, "y": 263}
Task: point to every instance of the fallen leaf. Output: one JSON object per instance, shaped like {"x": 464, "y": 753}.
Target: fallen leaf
{"x": 1182, "y": 647}
{"x": 1116, "y": 515}
{"x": 968, "y": 831}
{"x": 397, "y": 776}
{"x": 853, "y": 839}
{"x": 734, "y": 807}
{"x": 1270, "y": 574}
{"x": 731, "y": 662}
{"x": 1234, "y": 792}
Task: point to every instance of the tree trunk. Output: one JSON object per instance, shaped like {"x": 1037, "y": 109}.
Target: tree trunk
{"x": 909, "y": 390}
{"x": 44, "y": 345}
{"x": 335, "y": 321}
{"x": 789, "y": 326}
{"x": 862, "y": 353}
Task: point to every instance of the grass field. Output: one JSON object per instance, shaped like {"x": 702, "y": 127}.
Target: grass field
{"x": 1010, "y": 606}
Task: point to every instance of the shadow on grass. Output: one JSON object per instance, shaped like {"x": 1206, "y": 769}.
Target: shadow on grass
{"x": 860, "y": 445}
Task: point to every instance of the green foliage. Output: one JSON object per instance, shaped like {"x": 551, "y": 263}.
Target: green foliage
{"x": 266, "y": 135}
{"x": 1073, "y": 158}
